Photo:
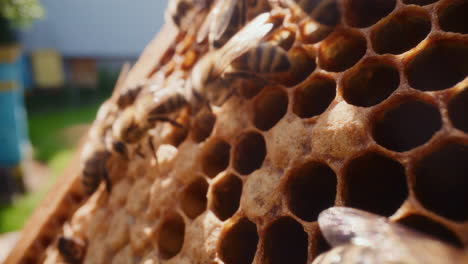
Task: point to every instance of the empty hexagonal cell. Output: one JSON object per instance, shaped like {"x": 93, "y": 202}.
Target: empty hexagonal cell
{"x": 341, "y": 50}
{"x": 324, "y": 12}
{"x": 249, "y": 153}
{"x": 452, "y": 16}
{"x": 311, "y": 188}
{"x": 441, "y": 182}
{"x": 203, "y": 126}
{"x": 285, "y": 242}
{"x": 364, "y": 13}
{"x": 238, "y": 243}
{"x": 225, "y": 196}
{"x": 440, "y": 65}
{"x": 402, "y": 31}
{"x": 313, "y": 97}
{"x": 171, "y": 236}
{"x": 458, "y": 110}
{"x": 215, "y": 158}
{"x": 419, "y": 2}
{"x": 302, "y": 65}
{"x": 430, "y": 227}
{"x": 193, "y": 201}
{"x": 269, "y": 108}
{"x": 371, "y": 83}
{"x": 406, "y": 125}
{"x": 375, "y": 183}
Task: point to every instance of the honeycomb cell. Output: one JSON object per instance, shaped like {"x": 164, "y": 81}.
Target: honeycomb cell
{"x": 203, "y": 126}
{"x": 453, "y": 18}
{"x": 314, "y": 97}
{"x": 310, "y": 189}
{"x": 371, "y": 83}
{"x": 440, "y": 65}
{"x": 171, "y": 236}
{"x": 215, "y": 158}
{"x": 441, "y": 182}
{"x": 419, "y": 2}
{"x": 375, "y": 183}
{"x": 302, "y": 65}
{"x": 407, "y": 125}
{"x": 269, "y": 108}
{"x": 341, "y": 50}
{"x": 239, "y": 243}
{"x": 327, "y": 13}
{"x": 430, "y": 227}
{"x": 249, "y": 153}
{"x": 402, "y": 31}
{"x": 193, "y": 201}
{"x": 458, "y": 110}
{"x": 285, "y": 242}
{"x": 226, "y": 195}
{"x": 364, "y": 13}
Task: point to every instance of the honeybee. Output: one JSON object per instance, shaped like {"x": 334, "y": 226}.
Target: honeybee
{"x": 94, "y": 158}
{"x": 226, "y": 18}
{"x": 180, "y": 12}
{"x": 127, "y": 97}
{"x": 213, "y": 78}
{"x": 72, "y": 250}
{"x": 243, "y": 56}
{"x": 361, "y": 237}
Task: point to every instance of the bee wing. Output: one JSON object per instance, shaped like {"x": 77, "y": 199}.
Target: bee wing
{"x": 121, "y": 79}
{"x": 342, "y": 225}
{"x": 247, "y": 38}
{"x": 217, "y": 20}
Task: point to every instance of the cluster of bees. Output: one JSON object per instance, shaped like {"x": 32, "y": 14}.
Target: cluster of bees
{"x": 242, "y": 46}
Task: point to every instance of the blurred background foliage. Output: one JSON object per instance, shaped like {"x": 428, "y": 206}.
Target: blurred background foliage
{"x": 21, "y": 13}
{"x": 57, "y": 119}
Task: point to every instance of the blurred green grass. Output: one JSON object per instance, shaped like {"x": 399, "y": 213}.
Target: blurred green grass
{"x": 46, "y": 134}
{"x": 51, "y": 114}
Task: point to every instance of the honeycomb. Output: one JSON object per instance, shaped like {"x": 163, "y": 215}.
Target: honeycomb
{"x": 373, "y": 115}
